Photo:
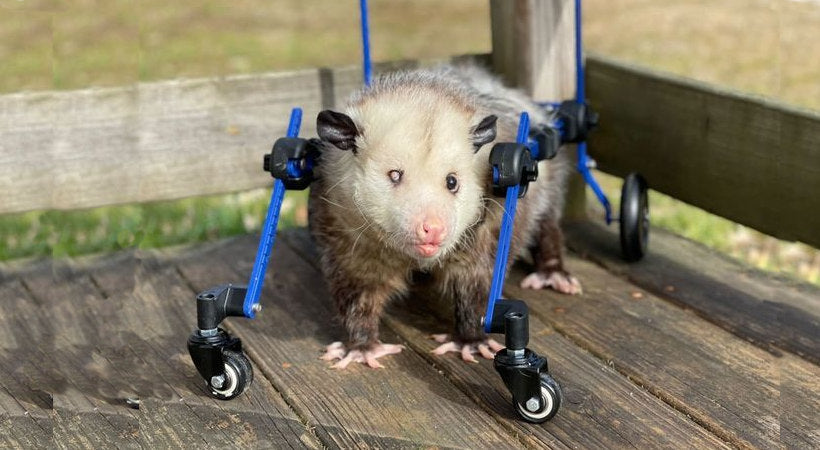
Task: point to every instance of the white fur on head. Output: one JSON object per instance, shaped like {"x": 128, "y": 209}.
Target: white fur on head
{"x": 426, "y": 136}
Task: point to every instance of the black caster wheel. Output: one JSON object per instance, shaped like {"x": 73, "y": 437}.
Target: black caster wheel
{"x": 238, "y": 376}
{"x": 634, "y": 217}
{"x": 548, "y": 405}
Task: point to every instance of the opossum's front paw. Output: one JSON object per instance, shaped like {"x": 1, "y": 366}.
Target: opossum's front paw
{"x": 559, "y": 280}
{"x": 486, "y": 348}
{"x": 338, "y": 351}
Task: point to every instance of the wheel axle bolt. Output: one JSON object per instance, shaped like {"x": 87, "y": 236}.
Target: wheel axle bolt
{"x": 533, "y": 404}
{"x": 256, "y": 307}
{"x": 218, "y": 381}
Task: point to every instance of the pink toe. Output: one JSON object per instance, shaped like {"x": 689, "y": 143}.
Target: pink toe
{"x": 494, "y": 346}
{"x": 467, "y": 355}
{"x": 485, "y": 351}
{"x": 373, "y": 363}
{"x": 446, "y": 347}
{"x": 342, "y": 363}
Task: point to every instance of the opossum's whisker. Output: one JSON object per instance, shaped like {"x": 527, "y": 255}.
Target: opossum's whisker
{"x": 358, "y": 237}
{"x": 353, "y": 230}
{"x": 344, "y": 178}
{"x": 333, "y": 203}
{"x": 359, "y": 207}
{"x": 501, "y": 206}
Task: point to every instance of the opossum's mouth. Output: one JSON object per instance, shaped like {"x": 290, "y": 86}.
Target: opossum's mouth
{"x": 428, "y": 250}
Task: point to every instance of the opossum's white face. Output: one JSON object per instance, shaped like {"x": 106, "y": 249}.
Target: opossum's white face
{"x": 418, "y": 176}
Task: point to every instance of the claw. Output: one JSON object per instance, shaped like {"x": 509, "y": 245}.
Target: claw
{"x": 369, "y": 357}
{"x": 559, "y": 280}
{"x": 486, "y": 349}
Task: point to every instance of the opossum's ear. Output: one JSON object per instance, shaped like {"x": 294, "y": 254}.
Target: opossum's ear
{"x": 484, "y": 132}
{"x": 338, "y": 129}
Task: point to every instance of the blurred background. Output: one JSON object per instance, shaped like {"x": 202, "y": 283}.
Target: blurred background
{"x": 769, "y": 48}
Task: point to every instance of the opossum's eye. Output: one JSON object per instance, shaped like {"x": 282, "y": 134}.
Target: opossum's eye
{"x": 452, "y": 183}
{"x": 395, "y": 176}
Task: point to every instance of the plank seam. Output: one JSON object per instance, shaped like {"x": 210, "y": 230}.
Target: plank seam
{"x": 267, "y": 376}
{"x": 105, "y": 417}
{"x": 636, "y": 380}
{"x": 140, "y": 356}
{"x": 771, "y": 348}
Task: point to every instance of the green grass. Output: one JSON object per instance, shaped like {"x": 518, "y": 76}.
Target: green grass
{"x": 69, "y": 233}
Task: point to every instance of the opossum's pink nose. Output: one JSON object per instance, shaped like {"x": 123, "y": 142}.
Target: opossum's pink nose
{"x": 431, "y": 230}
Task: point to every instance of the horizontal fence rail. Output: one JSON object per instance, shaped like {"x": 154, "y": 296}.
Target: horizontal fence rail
{"x": 157, "y": 141}
{"x": 753, "y": 161}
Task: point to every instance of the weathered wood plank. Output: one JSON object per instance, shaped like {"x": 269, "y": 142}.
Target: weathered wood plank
{"x": 771, "y": 312}
{"x": 602, "y": 408}
{"x": 800, "y": 399}
{"x": 725, "y": 384}
{"x": 25, "y": 412}
{"x": 407, "y": 404}
{"x": 156, "y": 141}
{"x": 66, "y": 150}
{"x": 174, "y": 412}
{"x": 35, "y": 368}
{"x": 114, "y": 343}
{"x": 749, "y": 160}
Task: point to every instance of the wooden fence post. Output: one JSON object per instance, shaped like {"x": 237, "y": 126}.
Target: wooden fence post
{"x": 534, "y": 49}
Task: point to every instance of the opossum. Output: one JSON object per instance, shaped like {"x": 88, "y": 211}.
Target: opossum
{"x": 404, "y": 185}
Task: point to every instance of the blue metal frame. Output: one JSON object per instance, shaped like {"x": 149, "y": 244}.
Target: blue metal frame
{"x": 260, "y": 265}
{"x": 504, "y": 237}
{"x": 584, "y": 161}
{"x": 367, "y": 64}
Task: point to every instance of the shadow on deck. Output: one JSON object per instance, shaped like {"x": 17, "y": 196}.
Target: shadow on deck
{"x": 685, "y": 349}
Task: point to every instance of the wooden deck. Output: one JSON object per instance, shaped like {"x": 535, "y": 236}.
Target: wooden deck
{"x": 685, "y": 349}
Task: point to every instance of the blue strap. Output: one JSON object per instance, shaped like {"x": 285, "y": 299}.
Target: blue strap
{"x": 503, "y": 252}
{"x": 367, "y": 65}
{"x": 260, "y": 265}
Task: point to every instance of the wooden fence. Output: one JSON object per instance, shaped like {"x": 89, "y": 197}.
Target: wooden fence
{"x": 753, "y": 161}
{"x": 750, "y": 160}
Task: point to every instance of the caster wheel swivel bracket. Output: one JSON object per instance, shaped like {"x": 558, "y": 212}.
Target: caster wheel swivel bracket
{"x": 519, "y": 367}
{"x": 217, "y": 355}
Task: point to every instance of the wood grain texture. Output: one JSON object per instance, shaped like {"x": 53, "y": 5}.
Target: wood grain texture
{"x": 726, "y": 384}
{"x": 152, "y": 294}
{"x": 156, "y": 141}
{"x": 26, "y": 419}
{"x": 408, "y": 404}
{"x": 637, "y": 371}
{"x": 774, "y": 313}
{"x": 153, "y": 141}
{"x": 750, "y": 160}
{"x": 110, "y": 336}
{"x": 602, "y": 408}
{"x": 534, "y": 50}
{"x": 534, "y": 46}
